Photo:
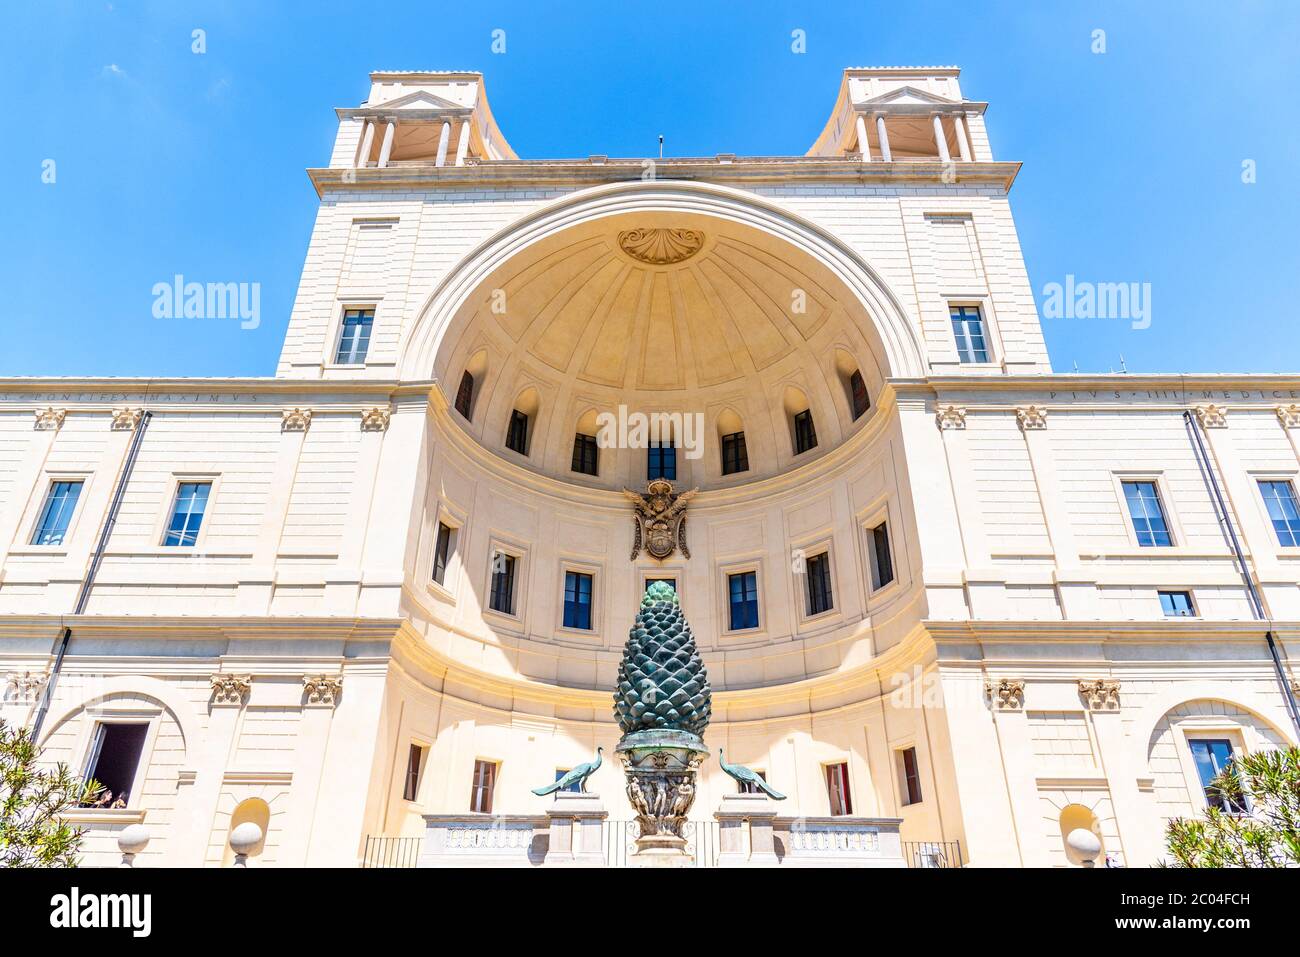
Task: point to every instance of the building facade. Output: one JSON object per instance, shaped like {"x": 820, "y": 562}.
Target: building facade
{"x": 931, "y": 579}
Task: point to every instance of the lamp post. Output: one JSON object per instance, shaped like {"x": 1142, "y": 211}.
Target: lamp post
{"x": 243, "y": 839}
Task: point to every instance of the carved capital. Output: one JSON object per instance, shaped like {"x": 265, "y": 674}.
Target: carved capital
{"x": 1212, "y": 416}
{"x": 1101, "y": 694}
{"x": 375, "y": 420}
{"x": 49, "y": 419}
{"x": 295, "y": 420}
{"x": 322, "y": 689}
{"x": 1289, "y": 416}
{"x": 230, "y": 689}
{"x": 23, "y": 688}
{"x": 1031, "y": 417}
{"x": 950, "y": 417}
{"x": 1006, "y": 694}
{"x": 125, "y": 420}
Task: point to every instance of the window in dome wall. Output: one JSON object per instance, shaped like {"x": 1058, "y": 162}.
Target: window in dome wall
{"x": 586, "y": 454}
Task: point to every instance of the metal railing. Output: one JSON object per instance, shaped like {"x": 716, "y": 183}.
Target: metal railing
{"x": 932, "y": 853}
{"x": 620, "y": 842}
{"x": 391, "y": 851}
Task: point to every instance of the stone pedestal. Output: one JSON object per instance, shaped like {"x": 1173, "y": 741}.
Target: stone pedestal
{"x": 575, "y": 830}
{"x": 745, "y": 835}
{"x": 660, "y": 767}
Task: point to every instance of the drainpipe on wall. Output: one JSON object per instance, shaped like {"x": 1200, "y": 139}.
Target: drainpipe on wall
{"x": 1256, "y": 604}
{"x": 83, "y": 595}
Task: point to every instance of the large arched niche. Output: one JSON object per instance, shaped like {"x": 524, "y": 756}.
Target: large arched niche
{"x": 745, "y": 232}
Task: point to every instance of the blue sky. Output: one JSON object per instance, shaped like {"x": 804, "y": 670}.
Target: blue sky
{"x": 168, "y": 162}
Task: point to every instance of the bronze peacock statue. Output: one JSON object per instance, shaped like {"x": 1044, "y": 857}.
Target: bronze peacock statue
{"x": 577, "y": 776}
{"x": 746, "y": 776}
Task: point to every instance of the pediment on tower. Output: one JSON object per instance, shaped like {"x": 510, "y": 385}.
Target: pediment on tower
{"x": 908, "y": 96}
{"x": 422, "y": 100}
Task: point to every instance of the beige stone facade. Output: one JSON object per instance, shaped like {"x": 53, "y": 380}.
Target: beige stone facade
{"x": 285, "y": 661}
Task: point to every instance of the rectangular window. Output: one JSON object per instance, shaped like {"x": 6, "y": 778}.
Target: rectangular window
{"x": 503, "y": 583}
{"x": 442, "y": 552}
{"x": 858, "y": 390}
{"x": 1279, "y": 498}
{"x": 114, "y": 758}
{"x": 661, "y": 461}
{"x": 517, "y": 436}
{"x": 1148, "y": 515}
{"x": 805, "y": 435}
{"x": 909, "y": 776}
{"x": 187, "y": 513}
{"x": 735, "y": 457}
{"x": 60, "y": 503}
{"x": 1177, "y": 604}
{"x": 485, "y": 779}
{"x": 968, "y": 330}
{"x": 465, "y": 394}
{"x": 575, "y": 787}
{"x": 818, "y": 572}
{"x": 577, "y": 600}
{"x": 354, "y": 339}
{"x": 1211, "y": 756}
{"x": 837, "y": 789}
{"x": 585, "y": 454}
{"x": 882, "y": 563}
{"x": 742, "y": 591}
{"x": 414, "y": 764}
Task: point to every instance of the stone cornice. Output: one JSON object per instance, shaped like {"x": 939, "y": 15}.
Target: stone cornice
{"x": 1264, "y": 388}
{"x": 273, "y": 394}
{"x": 1176, "y": 631}
{"x": 738, "y": 172}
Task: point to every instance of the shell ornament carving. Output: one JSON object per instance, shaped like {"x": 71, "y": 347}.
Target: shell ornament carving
{"x": 659, "y": 246}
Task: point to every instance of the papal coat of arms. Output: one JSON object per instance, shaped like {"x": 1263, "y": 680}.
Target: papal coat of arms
{"x": 660, "y": 519}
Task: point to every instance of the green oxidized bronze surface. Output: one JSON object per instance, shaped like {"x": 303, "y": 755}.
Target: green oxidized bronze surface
{"x": 662, "y": 684}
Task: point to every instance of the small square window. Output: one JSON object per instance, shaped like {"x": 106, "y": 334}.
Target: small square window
{"x": 577, "y": 600}
{"x": 661, "y": 461}
{"x": 742, "y": 600}
{"x": 1211, "y": 756}
{"x": 465, "y": 394}
{"x": 114, "y": 759}
{"x": 817, "y": 571}
{"x": 805, "y": 434}
{"x": 1147, "y": 513}
{"x": 1177, "y": 604}
{"x": 968, "y": 330}
{"x": 586, "y": 454}
{"x": 56, "y": 513}
{"x": 858, "y": 393}
{"x": 442, "y": 552}
{"x": 502, "y": 597}
{"x": 882, "y": 562}
{"x": 837, "y": 789}
{"x": 1283, "y": 512}
{"x": 187, "y": 513}
{"x": 414, "y": 766}
{"x": 517, "y": 435}
{"x": 354, "y": 337}
{"x": 749, "y": 787}
{"x": 909, "y": 776}
{"x": 735, "y": 457}
{"x": 484, "y": 783}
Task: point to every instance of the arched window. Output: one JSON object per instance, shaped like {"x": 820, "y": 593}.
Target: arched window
{"x": 855, "y": 386}
{"x": 474, "y": 372}
{"x": 731, "y": 440}
{"x": 586, "y": 454}
{"x": 519, "y": 432}
{"x": 803, "y": 432}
